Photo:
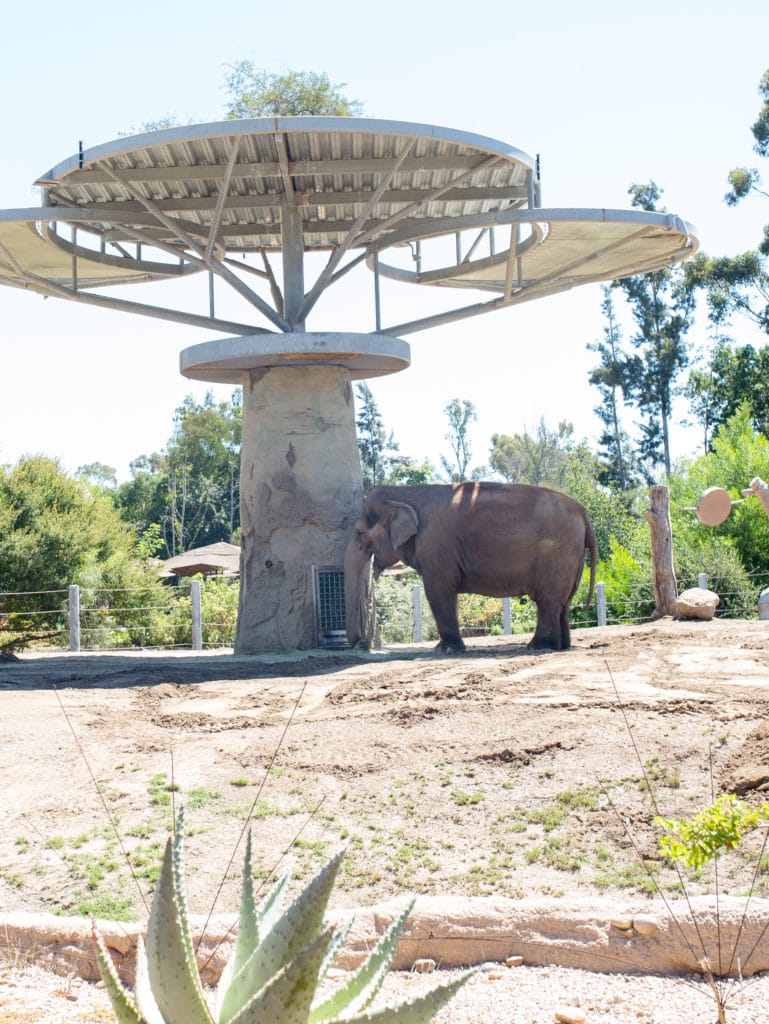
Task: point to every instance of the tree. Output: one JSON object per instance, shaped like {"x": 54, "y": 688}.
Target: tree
{"x": 98, "y": 475}
{"x": 257, "y": 92}
{"x": 662, "y": 304}
{"x": 539, "y": 458}
{"x": 740, "y": 284}
{"x": 609, "y": 378}
{"x": 737, "y": 454}
{"x": 375, "y": 448}
{"x": 733, "y": 377}
{"x": 55, "y": 531}
{"x": 461, "y": 413}
{"x": 191, "y": 490}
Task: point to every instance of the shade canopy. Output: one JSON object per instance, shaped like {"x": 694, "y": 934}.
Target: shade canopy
{"x": 422, "y": 204}
{"x": 212, "y": 558}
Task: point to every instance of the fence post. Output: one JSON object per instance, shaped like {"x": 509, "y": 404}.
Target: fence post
{"x": 74, "y": 617}
{"x": 702, "y": 581}
{"x": 507, "y": 617}
{"x": 600, "y": 603}
{"x": 197, "y": 619}
{"x": 416, "y": 614}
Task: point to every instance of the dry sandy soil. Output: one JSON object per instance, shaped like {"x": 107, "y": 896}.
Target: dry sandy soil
{"x": 502, "y": 772}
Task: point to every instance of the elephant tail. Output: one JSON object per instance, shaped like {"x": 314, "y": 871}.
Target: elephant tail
{"x": 592, "y": 548}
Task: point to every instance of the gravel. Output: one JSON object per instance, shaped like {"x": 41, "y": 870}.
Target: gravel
{"x": 495, "y": 995}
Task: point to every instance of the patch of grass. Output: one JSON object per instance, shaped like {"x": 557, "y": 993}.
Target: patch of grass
{"x": 240, "y": 781}
{"x": 657, "y": 774}
{"x": 160, "y": 790}
{"x": 15, "y": 880}
{"x": 200, "y": 797}
{"x": 463, "y": 799}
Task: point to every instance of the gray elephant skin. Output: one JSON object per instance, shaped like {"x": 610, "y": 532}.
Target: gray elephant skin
{"x": 500, "y": 540}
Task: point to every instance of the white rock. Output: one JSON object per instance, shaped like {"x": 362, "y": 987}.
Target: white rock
{"x": 424, "y": 965}
{"x": 697, "y": 603}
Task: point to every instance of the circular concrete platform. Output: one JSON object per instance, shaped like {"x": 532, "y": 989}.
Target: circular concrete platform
{"x": 228, "y": 360}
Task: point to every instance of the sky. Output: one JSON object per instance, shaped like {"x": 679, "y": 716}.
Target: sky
{"x": 606, "y": 93}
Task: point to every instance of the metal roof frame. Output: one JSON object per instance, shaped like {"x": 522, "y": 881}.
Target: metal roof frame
{"x": 224, "y": 198}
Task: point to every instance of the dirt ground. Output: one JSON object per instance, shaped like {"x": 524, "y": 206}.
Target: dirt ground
{"x": 501, "y": 772}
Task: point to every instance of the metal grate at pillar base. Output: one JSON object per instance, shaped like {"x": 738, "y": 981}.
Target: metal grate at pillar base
{"x": 328, "y": 592}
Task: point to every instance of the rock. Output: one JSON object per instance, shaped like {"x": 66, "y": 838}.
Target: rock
{"x": 570, "y": 1015}
{"x": 645, "y": 924}
{"x": 622, "y": 924}
{"x": 697, "y": 603}
{"x": 514, "y": 961}
{"x": 424, "y": 965}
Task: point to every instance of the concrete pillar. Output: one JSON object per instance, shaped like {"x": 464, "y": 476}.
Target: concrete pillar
{"x": 300, "y": 491}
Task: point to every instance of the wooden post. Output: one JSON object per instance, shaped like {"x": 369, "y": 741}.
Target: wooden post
{"x": 658, "y": 518}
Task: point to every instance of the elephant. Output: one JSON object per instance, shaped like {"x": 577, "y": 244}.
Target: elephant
{"x": 500, "y": 540}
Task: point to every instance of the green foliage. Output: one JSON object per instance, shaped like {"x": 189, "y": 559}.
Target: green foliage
{"x": 257, "y": 92}
{"x": 539, "y": 458}
{"x": 662, "y": 304}
{"x": 191, "y": 489}
{"x": 628, "y": 579}
{"x": 55, "y": 531}
{"x": 737, "y": 455}
{"x": 619, "y": 468}
{"x": 219, "y": 610}
{"x": 394, "y": 609}
{"x": 281, "y": 957}
{"x": 711, "y": 831}
{"x": 460, "y": 413}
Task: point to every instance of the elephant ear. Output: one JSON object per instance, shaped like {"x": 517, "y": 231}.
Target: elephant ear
{"x": 401, "y": 521}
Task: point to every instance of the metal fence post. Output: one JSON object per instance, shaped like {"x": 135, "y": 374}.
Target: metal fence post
{"x": 74, "y": 617}
{"x": 416, "y": 614}
{"x": 702, "y": 581}
{"x": 600, "y": 603}
{"x": 197, "y": 617}
{"x": 507, "y": 617}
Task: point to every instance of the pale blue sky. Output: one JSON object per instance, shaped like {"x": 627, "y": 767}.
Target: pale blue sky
{"x": 606, "y": 93}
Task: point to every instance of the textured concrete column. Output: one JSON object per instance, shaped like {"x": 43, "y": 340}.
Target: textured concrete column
{"x": 300, "y": 491}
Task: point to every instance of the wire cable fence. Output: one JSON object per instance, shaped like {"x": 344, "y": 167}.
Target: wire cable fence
{"x": 158, "y": 616}
{"x": 192, "y": 614}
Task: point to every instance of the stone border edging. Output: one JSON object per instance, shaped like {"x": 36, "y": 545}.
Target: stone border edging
{"x": 598, "y": 935}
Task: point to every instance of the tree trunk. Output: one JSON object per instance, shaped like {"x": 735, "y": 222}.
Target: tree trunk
{"x": 665, "y": 586}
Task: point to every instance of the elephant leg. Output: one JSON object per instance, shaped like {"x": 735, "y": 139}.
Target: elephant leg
{"x": 549, "y": 632}
{"x": 444, "y": 608}
{"x": 565, "y": 629}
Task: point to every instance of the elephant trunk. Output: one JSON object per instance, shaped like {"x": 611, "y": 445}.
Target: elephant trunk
{"x": 358, "y": 595}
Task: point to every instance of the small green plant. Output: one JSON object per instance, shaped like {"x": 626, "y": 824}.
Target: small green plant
{"x": 463, "y": 799}
{"x": 712, "y": 830}
{"x": 280, "y": 959}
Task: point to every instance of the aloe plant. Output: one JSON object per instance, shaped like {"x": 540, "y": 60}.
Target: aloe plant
{"x": 280, "y": 958}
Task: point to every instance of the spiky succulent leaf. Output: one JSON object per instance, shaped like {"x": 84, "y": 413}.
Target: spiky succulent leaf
{"x": 248, "y": 925}
{"x": 145, "y": 1000}
{"x": 292, "y": 932}
{"x": 124, "y": 1007}
{"x": 340, "y": 935}
{"x": 173, "y": 973}
{"x": 419, "y": 1010}
{"x": 361, "y": 987}
{"x": 287, "y": 997}
{"x": 271, "y": 907}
